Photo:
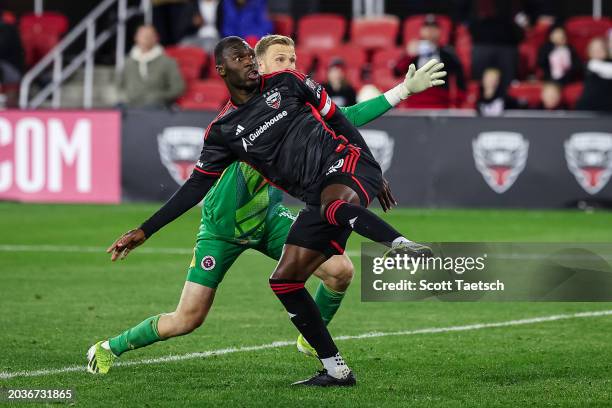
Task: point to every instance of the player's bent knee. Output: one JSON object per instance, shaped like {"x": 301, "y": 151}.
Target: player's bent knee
{"x": 343, "y": 271}
{"x": 188, "y": 321}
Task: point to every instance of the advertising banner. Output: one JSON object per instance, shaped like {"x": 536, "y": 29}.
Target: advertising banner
{"x": 60, "y": 156}
{"x": 430, "y": 161}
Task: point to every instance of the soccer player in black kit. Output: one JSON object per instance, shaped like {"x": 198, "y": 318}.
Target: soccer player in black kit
{"x": 285, "y": 126}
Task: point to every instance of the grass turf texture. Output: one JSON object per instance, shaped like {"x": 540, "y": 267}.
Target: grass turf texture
{"x": 56, "y": 304}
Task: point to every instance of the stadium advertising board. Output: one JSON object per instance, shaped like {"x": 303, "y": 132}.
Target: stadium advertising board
{"x": 430, "y": 161}
{"x": 68, "y": 157}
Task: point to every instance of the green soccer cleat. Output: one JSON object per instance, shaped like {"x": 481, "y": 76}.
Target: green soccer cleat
{"x": 99, "y": 359}
{"x": 304, "y": 347}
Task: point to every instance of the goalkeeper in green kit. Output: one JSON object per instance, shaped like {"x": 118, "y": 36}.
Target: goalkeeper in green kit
{"x": 244, "y": 211}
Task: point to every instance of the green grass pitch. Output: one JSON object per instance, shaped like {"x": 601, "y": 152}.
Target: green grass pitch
{"x": 59, "y": 294}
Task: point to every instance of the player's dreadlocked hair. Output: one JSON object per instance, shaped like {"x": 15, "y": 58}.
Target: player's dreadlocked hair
{"x": 268, "y": 40}
{"x": 223, "y": 44}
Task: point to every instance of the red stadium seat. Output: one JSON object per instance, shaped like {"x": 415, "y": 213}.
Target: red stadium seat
{"x": 352, "y": 55}
{"x": 571, "y": 94}
{"x": 581, "y": 29}
{"x": 305, "y": 59}
{"x": 8, "y": 17}
{"x": 39, "y": 34}
{"x": 384, "y": 79}
{"x": 283, "y": 24}
{"x": 321, "y": 31}
{"x": 48, "y": 22}
{"x": 207, "y": 94}
{"x": 528, "y": 60}
{"x": 378, "y": 32}
{"x": 386, "y": 57}
{"x": 528, "y": 92}
{"x": 471, "y": 95}
{"x": 413, "y": 24}
{"x": 463, "y": 48}
{"x": 190, "y": 60}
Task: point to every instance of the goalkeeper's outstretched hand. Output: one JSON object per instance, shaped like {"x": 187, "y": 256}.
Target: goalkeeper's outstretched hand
{"x": 419, "y": 80}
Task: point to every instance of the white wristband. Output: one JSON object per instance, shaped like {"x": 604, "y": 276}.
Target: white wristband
{"x": 394, "y": 95}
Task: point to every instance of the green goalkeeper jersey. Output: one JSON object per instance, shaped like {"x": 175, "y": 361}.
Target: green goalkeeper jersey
{"x": 239, "y": 204}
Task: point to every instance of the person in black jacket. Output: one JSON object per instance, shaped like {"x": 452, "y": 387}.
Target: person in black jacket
{"x": 495, "y": 37}
{"x": 338, "y": 87}
{"x": 11, "y": 54}
{"x": 557, "y": 59}
{"x": 202, "y": 24}
{"x": 421, "y": 50}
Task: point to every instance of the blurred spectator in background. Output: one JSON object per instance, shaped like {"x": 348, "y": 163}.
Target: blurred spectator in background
{"x": 337, "y": 86}
{"x": 11, "y": 63}
{"x": 495, "y": 38}
{"x": 167, "y": 19}
{"x": 247, "y": 19}
{"x": 202, "y": 24}
{"x": 493, "y": 100}
{"x": 597, "y": 94}
{"x": 11, "y": 54}
{"x": 557, "y": 59}
{"x": 150, "y": 78}
{"x": 420, "y": 51}
{"x": 551, "y": 97}
{"x": 368, "y": 92}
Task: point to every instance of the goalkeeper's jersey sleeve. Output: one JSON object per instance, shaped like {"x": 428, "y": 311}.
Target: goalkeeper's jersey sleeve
{"x": 237, "y": 207}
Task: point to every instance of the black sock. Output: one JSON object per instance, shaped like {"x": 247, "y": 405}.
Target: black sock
{"x": 304, "y": 315}
{"x": 361, "y": 220}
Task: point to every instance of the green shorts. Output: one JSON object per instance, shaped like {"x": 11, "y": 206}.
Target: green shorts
{"x": 212, "y": 257}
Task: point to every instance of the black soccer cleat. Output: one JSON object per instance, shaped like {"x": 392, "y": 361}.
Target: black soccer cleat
{"x": 411, "y": 249}
{"x": 322, "y": 379}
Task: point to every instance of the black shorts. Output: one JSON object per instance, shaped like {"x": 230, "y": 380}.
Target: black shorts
{"x": 354, "y": 168}
{"x": 311, "y": 231}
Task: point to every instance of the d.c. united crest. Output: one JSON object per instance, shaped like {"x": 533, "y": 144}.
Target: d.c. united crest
{"x": 273, "y": 98}
{"x": 179, "y": 149}
{"x": 589, "y": 158}
{"x": 500, "y": 157}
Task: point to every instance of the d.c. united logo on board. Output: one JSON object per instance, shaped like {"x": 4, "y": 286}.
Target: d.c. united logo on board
{"x": 500, "y": 157}
{"x": 179, "y": 149}
{"x": 589, "y": 158}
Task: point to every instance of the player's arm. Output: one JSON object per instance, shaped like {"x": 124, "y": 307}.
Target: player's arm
{"x": 366, "y": 111}
{"x": 213, "y": 159}
{"x": 185, "y": 198}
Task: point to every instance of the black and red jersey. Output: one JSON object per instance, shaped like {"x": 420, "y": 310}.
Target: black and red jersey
{"x": 280, "y": 132}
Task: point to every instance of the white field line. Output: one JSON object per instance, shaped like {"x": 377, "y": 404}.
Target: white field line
{"x": 277, "y": 344}
{"x": 189, "y": 251}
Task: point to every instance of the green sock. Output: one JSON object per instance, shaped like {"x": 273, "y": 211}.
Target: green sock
{"x": 328, "y": 301}
{"x": 143, "y": 334}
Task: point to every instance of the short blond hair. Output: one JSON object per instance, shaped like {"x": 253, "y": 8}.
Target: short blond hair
{"x": 268, "y": 40}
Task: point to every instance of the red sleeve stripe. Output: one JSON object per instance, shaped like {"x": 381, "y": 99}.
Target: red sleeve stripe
{"x": 209, "y": 173}
{"x": 317, "y": 116}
